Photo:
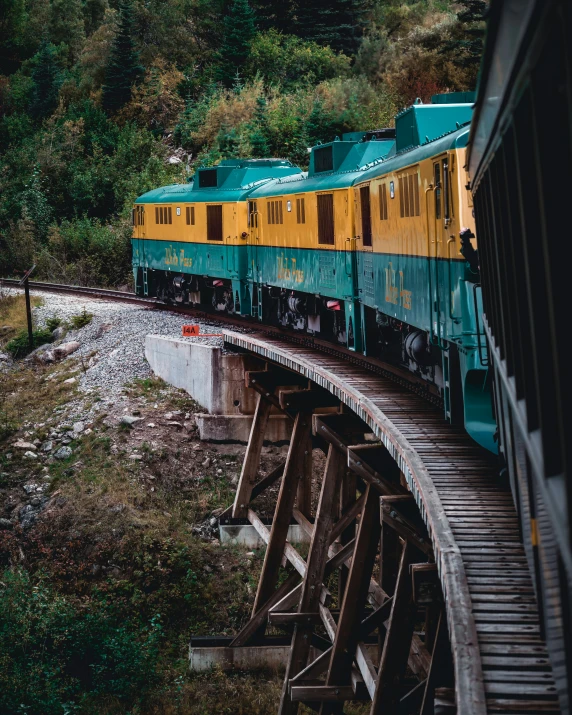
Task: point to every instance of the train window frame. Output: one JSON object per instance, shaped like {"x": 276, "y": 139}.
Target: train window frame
{"x": 326, "y": 229}
{"x": 365, "y": 210}
{"x": 252, "y": 218}
{"x": 215, "y": 226}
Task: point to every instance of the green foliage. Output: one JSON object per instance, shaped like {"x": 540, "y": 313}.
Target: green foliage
{"x": 123, "y": 68}
{"x": 53, "y": 323}
{"x": 289, "y": 62}
{"x": 19, "y": 346}
{"x": 55, "y": 654}
{"x": 47, "y": 79}
{"x": 239, "y": 29}
{"x": 81, "y": 320}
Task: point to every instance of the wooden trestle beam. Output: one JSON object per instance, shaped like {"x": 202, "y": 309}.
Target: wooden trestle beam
{"x": 367, "y": 527}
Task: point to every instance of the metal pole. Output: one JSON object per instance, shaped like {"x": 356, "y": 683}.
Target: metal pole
{"x": 29, "y": 314}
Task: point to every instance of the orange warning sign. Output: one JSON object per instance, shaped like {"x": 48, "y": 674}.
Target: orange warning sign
{"x": 190, "y": 331}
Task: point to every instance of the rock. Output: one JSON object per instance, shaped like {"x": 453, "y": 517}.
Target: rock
{"x": 129, "y": 420}
{"x": 187, "y": 415}
{"x": 30, "y": 455}
{"x": 47, "y": 446}
{"x": 37, "y": 443}
{"x": 137, "y": 413}
{"x": 4, "y": 357}
{"x": 150, "y": 424}
{"x": 168, "y": 415}
{"x": 219, "y": 471}
{"x": 213, "y": 521}
{"x": 172, "y": 423}
{"x": 43, "y": 354}
{"x": 103, "y": 328}
{"x": 63, "y": 453}
{"x": 66, "y": 349}
{"x": 207, "y": 463}
{"x": 87, "y": 432}
{"x": 58, "y": 333}
{"x": 217, "y": 512}
{"x": 24, "y": 445}
{"x": 136, "y": 457}
{"x": 6, "y": 524}
{"x": 6, "y": 330}
{"x": 30, "y": 488}
{"x": 66, "y": 440}
{"x": 78, "y": 427}
{"x": 35, "y": 501}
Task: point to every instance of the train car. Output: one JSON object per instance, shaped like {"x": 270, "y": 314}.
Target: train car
{"x": 373, "y": 247}
{"x": 190, "y": 240}
{"x": 420, "y": 289}
{"x": 303, "y": 240}
{"x": 520, "y": 163}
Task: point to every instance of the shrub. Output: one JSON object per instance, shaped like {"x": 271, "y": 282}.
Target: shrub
{"x": 81, "y": 320}
{"x": 53, "y": 323}
{"x": 19, "y": 346}
{"x": 55, "y": 652}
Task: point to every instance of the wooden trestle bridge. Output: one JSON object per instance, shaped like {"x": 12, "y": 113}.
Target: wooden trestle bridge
{"x": 435, "y": 610}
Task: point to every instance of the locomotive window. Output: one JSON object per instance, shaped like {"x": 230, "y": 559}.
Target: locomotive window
{"x": 190, "y": 215}
{"x": 365, "y": 215}
{"x": 214, "y": 223}
{"x": 142, "y": 215}
{"x": 326, "y": 219}
{"x": 156, "y": 214}
{"x": 300, "y": 211}
{"x": 446, "y": 189}
{"x": 383, "y": 202}
{"x": 401, "y": 206}
{"x": 252, "y": 214}
{"x": 207, "y": 178}
{"x": 323, "y": 159}
{"x": 415, "y": 185}
{"x": 169, "y": 209}
{"x": 437, "y": 170}
{"x": 405, "y": 202}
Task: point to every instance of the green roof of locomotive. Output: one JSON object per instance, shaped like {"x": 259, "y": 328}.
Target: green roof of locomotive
{"x": 230, "y": 180}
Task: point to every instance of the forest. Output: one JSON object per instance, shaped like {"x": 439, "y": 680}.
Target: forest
{"x": 101, "y": 100}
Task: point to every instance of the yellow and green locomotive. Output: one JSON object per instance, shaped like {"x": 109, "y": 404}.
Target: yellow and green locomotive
{"x": 373, "y": 247}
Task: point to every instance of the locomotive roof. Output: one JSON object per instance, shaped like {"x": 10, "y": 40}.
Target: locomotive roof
{"x": 230, "y": 180}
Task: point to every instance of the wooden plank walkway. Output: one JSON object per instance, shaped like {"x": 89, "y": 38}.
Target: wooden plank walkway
{"x": 500, "y": 659}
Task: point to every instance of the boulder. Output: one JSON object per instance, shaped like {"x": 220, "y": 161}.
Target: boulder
{"x": 30, "y": 455}
{"x": 130, "y": 420}
{"x": 20, "y": 444}
{"x": 47, "y": 446}
{"x": 70, "y": 381}
{"x": 59, "y": 333}
{"x": 66, "y": 349}
{"x": 63, "y": 453}
{"x": 6, "y": 524}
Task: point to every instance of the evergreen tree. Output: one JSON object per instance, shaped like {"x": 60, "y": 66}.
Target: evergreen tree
{"x": 465, "y": 47}
{"x": 339, "y": 23}
{"x": 273, "y": 14}
{"x": 259, "y": 134}
{"x": 46, "y": 79}
{"x": 123, "y": 68}
{"x": 239, "y": 29}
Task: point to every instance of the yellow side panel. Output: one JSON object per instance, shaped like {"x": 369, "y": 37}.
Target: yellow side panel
{"x": 234, "y": 222}
{"x": 292, "y": 234}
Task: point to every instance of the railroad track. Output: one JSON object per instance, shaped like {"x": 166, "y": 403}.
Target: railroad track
{"x": 405, "y": 379}
{"x": 500, "y": 659}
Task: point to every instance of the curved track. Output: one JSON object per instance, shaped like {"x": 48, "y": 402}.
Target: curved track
{"x": 500, "y": 658}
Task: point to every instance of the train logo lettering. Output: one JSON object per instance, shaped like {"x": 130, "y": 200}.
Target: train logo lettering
{"x": 286, "y": 273}
{"x": 171, "y": 258}
{"x": 393, "y": 293}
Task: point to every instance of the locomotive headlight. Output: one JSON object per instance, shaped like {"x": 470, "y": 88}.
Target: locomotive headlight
{"x": 289, "y": 206}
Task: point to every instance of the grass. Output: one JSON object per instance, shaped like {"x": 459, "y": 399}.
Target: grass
{"x": 13, "y": 315}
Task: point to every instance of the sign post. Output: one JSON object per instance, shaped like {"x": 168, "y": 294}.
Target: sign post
{"x": 25, "y": 282}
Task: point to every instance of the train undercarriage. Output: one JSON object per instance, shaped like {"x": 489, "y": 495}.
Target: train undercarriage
{"x": 384, "y": 337}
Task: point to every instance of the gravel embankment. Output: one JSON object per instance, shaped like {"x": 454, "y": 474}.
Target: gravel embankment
{"x": 112, "y": 346}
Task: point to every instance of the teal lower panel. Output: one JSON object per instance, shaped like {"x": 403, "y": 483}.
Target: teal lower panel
{"x": 218, "y": 261}
{"x": 327, "y": 273}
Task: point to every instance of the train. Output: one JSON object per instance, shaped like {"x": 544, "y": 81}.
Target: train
{"x": 520, "y": 162}
{"x": 373, "y": 248}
